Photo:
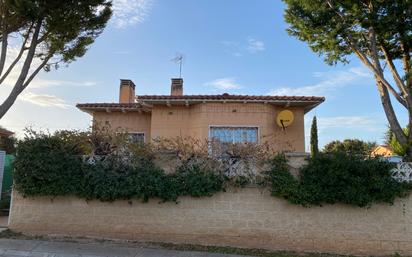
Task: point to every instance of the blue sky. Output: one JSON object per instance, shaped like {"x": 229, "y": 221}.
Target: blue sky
{"x": 233, "y": 46}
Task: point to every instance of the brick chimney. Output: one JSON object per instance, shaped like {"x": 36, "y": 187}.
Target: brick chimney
{"x": 127, "y": 92}
{"x": 177, "y": 87}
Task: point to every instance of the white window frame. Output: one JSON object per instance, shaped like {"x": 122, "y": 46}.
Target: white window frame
{"x": 235, "y": 126}
{"x": 137, "y": 132}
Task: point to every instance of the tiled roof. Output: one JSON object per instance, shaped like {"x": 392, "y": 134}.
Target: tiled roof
{"x": 308, "y": 102}
{"x": 232, "y": 97}
{"x": 146, "y": 101}
{"x": 5, "y": 132}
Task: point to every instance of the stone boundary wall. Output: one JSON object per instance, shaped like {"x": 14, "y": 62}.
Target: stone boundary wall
{"x": 247, "y": 217}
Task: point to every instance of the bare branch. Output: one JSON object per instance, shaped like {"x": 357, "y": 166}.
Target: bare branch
{"x": 378, "y": 75}
{"x": 378, "y": 67}
{"x": 16, "y": 60}
{"x": 4, "y": 43}
{"x": 19, "y": 85}
{"x": 406, "y": 62}
{"x": 36, "y": 71}
{"x": 3, "y": 53}
{"x": 394, "y": 71}
{"x": 377, "y": 70}
{"x": 43, "y": 37}
{"x": 29, "y": 57}
{"x": 382, "y": 84}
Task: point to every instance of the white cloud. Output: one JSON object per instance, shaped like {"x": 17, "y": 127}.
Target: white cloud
{"x": 130, "y": 12}
{"x": 238, "y": 49}
{"x": 330, "y": 81}
{"x": 365, "y": 127}
{"x": 37, "y": 82}
{"x": 255, "y": 45}
{"x": 44, "y": 83}
{"x": 224, "y": 84}
{"x": 347, "y": 122}
{"x": 44, "y": 100}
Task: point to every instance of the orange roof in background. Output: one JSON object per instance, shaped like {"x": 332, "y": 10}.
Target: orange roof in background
{"x": 382, "y": 150}
{"x": 6, "y": 132}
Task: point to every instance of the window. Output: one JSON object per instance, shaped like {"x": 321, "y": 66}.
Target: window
{"x": 136, "y": 137}
{"x": 234, "y": 134}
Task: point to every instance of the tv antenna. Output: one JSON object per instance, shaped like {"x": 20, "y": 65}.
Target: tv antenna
{"x": 179, "y": 60}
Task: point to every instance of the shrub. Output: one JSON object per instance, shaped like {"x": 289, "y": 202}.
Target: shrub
{"x": 47, "y": 165}
{"x": 53, "y": 165}
{"x": 338, "y": 178}
{"x": 282, "y": 181}
{"x": 197, "y": 182}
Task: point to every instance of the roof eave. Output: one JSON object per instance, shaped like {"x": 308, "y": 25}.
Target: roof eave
{"x": 92, "y": 109}
{"x": 309, "y": 105}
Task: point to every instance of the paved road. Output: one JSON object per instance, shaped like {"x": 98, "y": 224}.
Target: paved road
{"x": 34, "y": 248}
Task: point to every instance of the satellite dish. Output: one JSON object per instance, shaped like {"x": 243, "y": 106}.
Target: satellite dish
{"x": 285, "y": 118}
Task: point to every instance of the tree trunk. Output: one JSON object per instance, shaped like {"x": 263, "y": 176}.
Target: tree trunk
{"x": 392, "y": 119}
{"x": 19, "y": 85}
{"x": 408, "y": 157}
{"x": 5, "y": 106}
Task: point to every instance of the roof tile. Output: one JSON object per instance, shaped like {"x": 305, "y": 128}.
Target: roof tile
{"x": 226, "y": 96}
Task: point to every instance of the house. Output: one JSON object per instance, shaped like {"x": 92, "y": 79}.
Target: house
{"x": 7, "y": 141}
{"x": 5, "y": 133}
{"x": 382, "y": 150}
{"x": 276, "y": 120}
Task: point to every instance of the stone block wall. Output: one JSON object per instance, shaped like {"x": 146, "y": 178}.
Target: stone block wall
{"x": 247, "y": 217}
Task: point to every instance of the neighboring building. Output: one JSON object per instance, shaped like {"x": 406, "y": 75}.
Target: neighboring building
{"x": 7, "y": 141}
{"x": 5, "y": 133}
{"x": 386, "y": 153}
{"x": 225, "y": 117}
{"x": 382, "y": 150}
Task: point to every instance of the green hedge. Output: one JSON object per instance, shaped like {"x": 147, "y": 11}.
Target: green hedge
{"x": 49, "y": 166}
{"x": 337, "y": 178}
{"x": 46, "y": 165}
{"x": 52, "y": 165}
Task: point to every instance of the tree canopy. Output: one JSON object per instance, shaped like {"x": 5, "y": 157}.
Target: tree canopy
{"x": 350, "y": 146}
{"x": 378, "y": 32}
{"x": 47, "y": 33}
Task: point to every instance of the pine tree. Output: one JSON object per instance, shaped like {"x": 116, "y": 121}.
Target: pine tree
{"x": 378, "y": 32}
{"x": 314, "y": 138}
{"x": 46, "y": 34}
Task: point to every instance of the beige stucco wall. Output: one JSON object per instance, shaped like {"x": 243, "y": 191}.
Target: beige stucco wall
{"x": 246, "y": 217}
{"x": 194, "y": 121}
{"x": 129, "y": 121}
